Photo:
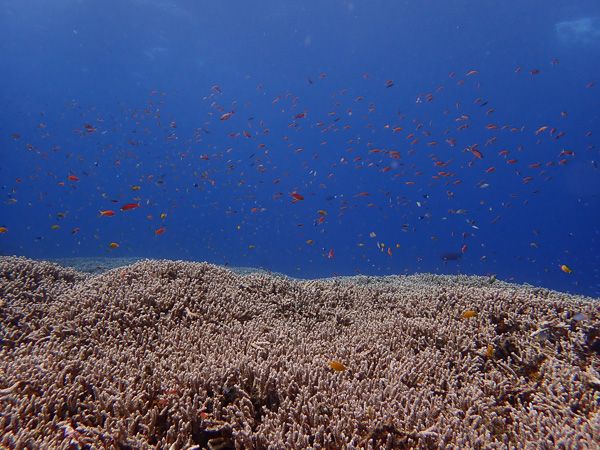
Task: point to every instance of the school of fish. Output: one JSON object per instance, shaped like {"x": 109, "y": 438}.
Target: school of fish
{"x": 274, "y": 176}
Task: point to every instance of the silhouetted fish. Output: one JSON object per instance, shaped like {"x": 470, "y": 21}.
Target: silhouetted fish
{"x": 450, "y": 256}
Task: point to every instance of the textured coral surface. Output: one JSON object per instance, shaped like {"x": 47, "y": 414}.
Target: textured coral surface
{"x": 164, "y": 354}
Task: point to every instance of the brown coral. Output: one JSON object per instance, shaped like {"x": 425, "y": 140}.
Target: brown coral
{"x": 165, "y": 354}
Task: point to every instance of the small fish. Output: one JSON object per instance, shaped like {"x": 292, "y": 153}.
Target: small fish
{"x": 477, "y": 153}
{"x": 580, "y": 317}
{"x": 337, "y": 366}
{"x": 3, "y": 229}
{"x": 130, "y": 206}
{"x": 113, "y": 245}
{"x": 565, "y": 269}
{"x": 321, "y": 212}
{"x": 73, "y": 178}
{"x": 330, "y": 254}
{"x": 468, "y": 314}
{"x": 297, "y": 197}
{"x": 54, "y": 227}
{"x": 227, "y": 115}
{"x": 159, "y": 231}
{"x": 107, "y": 213}
{"x": 450, "y": 256}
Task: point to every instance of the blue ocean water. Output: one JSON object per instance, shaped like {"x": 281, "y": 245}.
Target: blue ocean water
{"x": 404, "y": 130}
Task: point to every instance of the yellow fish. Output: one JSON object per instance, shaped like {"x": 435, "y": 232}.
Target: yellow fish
{"x": 468, "y": 314}
{"x": 565, "y": 269}
{"x": 113, "y": 245}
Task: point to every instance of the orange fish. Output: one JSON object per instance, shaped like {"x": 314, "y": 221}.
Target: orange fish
{"x": 73, "y": 178}
{"x": 337, "y": 366}
{"x": 297, "y": 197}
{"x": 130, "y": 206}
{"x": 107, "y": 213}
{"x": 226, "y": 116}
{"x": 159, "y": 231}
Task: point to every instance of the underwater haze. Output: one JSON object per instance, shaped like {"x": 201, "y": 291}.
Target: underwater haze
{"x": 309, "y": 138}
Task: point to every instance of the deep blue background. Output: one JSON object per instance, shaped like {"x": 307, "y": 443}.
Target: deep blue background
{"x": 71, "y": 63}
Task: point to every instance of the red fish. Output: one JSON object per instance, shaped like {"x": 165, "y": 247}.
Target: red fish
{"x": 330, "y": 255}
{"x": 107, "y": 213}
{"x": 73, "y": 178}
{"x": 130, "y": 206}
{"x": 159, "y": 231}
{"x": 297, "y": 197}
{"x": 477, "y": 153}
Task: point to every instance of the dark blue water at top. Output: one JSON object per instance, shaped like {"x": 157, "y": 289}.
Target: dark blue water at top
{"x": 330, "y": 100}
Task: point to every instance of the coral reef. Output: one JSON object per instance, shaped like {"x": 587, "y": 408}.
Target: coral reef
{"x": 182, "y": 355}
